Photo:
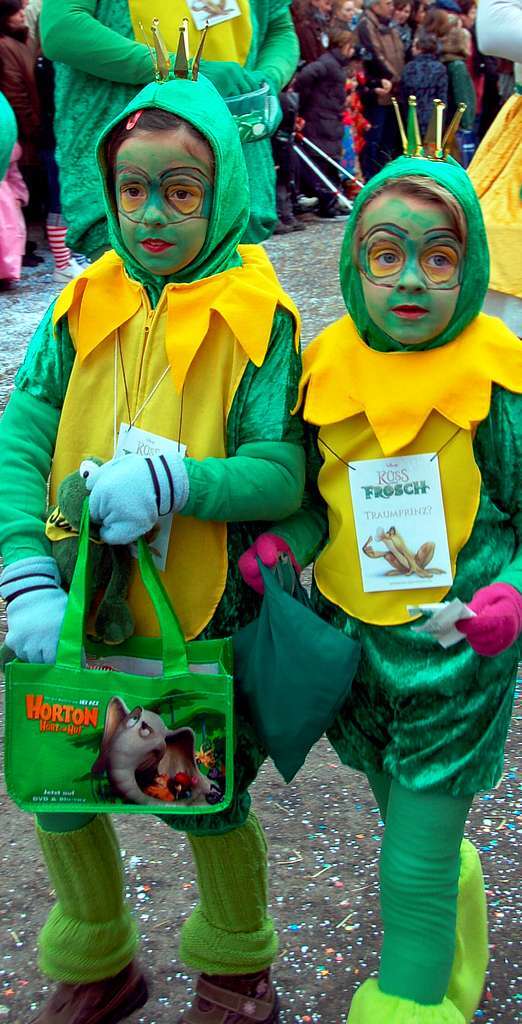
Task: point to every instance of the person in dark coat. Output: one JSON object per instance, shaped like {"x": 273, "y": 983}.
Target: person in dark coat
{"x": 322, "y": 89}
{"x": 17, "y": 79}
{"x": 382, "y": 54}
{"x": 424, "y": 77}
{"x": 312, "y": 22}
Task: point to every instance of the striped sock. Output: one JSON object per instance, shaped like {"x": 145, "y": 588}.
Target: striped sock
{"x": 56, "y": 237}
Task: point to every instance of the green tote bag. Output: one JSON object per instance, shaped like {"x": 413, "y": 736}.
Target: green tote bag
{"x": 142, "y": 728}
{"x": 293, "y": 670}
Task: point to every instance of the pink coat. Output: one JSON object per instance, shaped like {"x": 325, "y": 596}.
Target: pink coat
{"x": 13, "y": 195}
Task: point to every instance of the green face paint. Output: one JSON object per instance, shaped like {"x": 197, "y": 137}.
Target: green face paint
{"x": 410, "y": 260}
{"x": 164, "y": 200}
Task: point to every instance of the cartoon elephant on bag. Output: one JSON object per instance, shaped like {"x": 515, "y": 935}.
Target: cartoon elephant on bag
{"x": 146, "y": 763}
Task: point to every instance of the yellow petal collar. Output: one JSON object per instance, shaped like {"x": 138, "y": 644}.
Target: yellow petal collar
{"x": 398, "y": 390}
{"x": 103, "y": 298}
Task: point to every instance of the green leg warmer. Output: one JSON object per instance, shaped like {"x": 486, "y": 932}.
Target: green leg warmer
{"x": 371, "y": 1006}
{"x": 230, "y": 932}
{"x": 419, "y": 871}
{"x": 89, "y": 934}
{"x": 468, "y": 974}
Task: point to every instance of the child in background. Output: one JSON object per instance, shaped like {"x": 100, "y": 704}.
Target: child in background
{"x": 13, "y": 235}
{"x": 322, "y": 89}
{"x": 286, "y": 166}
{"x": 424, "y": 77}
{"x": 355, "y": 120}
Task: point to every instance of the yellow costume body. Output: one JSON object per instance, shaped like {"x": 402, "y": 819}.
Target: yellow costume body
{"x": 205, "y": 333}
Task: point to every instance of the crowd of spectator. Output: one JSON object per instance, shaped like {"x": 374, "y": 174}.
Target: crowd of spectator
{"x": 354, "y": 60}
{"x": 338, "y": 126}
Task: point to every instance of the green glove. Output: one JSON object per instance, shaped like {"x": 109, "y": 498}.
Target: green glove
{"x": 230, "y": 79}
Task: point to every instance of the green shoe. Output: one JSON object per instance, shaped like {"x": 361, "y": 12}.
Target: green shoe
{"x": 468, "y": 973}
{"x": 371, "y": 1006}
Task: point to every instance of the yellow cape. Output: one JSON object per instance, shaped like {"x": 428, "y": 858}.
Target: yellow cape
{"x": 245, "y": 297}
{"x": 398, "y": 390}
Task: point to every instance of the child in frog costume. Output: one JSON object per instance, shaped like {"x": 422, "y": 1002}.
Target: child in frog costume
{"x": 101, "y": 61}
{"x": 415, "y": 368}
{"x": 159, "y": 333}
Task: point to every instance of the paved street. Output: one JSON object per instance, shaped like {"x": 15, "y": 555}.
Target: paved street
{"x": 323, "y": 830}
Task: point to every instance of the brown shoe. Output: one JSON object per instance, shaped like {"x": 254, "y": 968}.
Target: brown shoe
{"x": 101, "y": 1002}
{"x": 253, "y": 998}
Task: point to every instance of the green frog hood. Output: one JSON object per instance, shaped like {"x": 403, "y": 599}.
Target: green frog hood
{"x": 475, "y": 277}
{"x": 198, "y": 103}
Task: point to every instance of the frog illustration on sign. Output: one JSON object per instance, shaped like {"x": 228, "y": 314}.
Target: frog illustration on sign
{"x": 402, "y": 560}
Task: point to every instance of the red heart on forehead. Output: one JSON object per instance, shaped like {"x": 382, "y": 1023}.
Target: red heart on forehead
{"x": 133, "y": 120}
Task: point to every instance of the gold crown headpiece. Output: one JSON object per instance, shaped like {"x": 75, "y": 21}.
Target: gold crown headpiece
{"x": 183, "y": 66}
{"x": 435, "y": 146}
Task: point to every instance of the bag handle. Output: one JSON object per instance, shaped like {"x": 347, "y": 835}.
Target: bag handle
{"x": 70, "y": 645}
{"x": 284, "y": 577}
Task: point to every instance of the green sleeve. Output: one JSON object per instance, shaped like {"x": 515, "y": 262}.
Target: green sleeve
{"x": 306, "y": 532}
{"x": 499, "y": 455}
{"x": 263, "y": 476}
{"x": 27, "y": 437}
{"x": 263, "y": 481}
{"x": 48, "y": 362}
{"x": 25, "y": 463}
{"x": 279, "y": 52}
{"x": 71, "y": 34}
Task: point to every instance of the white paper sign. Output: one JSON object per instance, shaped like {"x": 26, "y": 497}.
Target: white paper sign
{"x": 204, "y": 11}
{"x": 441, "y": 620}
{"x": 400, "y": 523}
{"x": 134, "y": 441}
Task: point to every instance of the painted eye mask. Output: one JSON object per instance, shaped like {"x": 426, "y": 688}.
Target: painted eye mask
{"x": 384, "y": 258}
{"x": 180, "y": 197}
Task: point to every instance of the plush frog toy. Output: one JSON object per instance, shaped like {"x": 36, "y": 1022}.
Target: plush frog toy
{"x": 112, "y": 621}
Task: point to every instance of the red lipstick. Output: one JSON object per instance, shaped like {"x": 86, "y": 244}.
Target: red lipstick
{"x": 155, "y": 245}
{"x": 409, "y": 312}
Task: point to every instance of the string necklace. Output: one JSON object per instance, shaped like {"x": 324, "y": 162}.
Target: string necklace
{"x": 345, "y": 463}
{"x": 118, "y": 355}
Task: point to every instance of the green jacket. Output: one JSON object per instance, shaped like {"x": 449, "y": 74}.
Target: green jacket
{"x": 99, "y": 66}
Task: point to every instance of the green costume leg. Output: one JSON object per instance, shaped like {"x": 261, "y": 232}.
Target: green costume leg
{"x": 230, "y": 932}
{"x": 380, "y": 784}
{"x": 419, "y": 870}
{"x": 89, "y": 934}
{"x": 468, "y": 974}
